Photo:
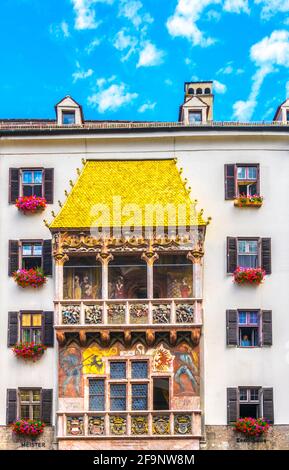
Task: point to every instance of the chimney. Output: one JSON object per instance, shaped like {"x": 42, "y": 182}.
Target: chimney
{"x": 198, "y": 103}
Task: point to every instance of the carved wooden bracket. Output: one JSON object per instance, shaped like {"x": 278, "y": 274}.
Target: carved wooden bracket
{"x": 60, "y": 336}
{"x": 105, "y": 337}
{"x": 127, "y": 337}
{"x": 196, "y": 335}
{"x": 82, "y": 337}
{"x": 173, "y": 337}
{"x": 150, "y": 337}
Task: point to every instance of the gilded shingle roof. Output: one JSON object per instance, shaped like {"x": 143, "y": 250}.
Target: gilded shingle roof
{"x": 134, "y": 186}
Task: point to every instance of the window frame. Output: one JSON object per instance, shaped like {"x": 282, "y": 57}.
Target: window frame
{"x": 30, "y": 403}
{"x": 258, "y": 403}
{"x": 257, "y": 326}
{"x": 21, "y": 327}
{"x": 67, "y": 112}
{"x": 259, "y": 249}
{"x": 32, "y": 169}
{"x": 192, "y": 112}
{"x": 249, "y": 180}
{"x": 31, "y": 242}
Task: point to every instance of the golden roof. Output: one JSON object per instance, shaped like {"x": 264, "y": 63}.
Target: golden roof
{"x": 126, "y": 193}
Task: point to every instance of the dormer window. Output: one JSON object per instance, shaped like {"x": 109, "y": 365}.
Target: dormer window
{"x": 68, "y": 117}
{"x": 195, "y": 117}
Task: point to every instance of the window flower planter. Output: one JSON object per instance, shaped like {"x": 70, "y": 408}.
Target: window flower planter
{"x": 253, "y": 276}
{"x": 33, "y": 277}
{"x": 252, "y": 427}
{"x": 248, "y": 201}
{"x": 29, "y": 351}
{"x": 29, "y": 427}
{"x": 31, "y": 204}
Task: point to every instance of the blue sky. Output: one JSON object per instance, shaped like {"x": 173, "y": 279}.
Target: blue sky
{"x": 128, "y": 59}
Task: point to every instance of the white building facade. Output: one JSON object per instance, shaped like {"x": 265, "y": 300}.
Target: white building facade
{"x": 244, "y": 339}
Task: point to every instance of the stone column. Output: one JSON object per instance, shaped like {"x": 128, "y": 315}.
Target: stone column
{"x": 150, "y": 257}
{"x": 196, "y": 257}
{"x": 104, "y": 258}
{"x": 60, "y": 260}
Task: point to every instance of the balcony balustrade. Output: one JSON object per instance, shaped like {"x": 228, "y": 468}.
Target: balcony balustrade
{"x": 136, "y": 424}
{"x": 133, "y": 313}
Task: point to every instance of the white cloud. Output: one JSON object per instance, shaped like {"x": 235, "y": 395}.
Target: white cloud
{"x": 268, "y": 53}
{"x": 168, "y": 82}
{"x": 150, "y": 55}
{"x": 183, "y": 21}
{"x": 272, "y": 49}
{"x": 130, "y": 9}
{"x": 124, "y": 41}
{"x": 146, "y": 107}
{"x": 85, "y": 13}
{"x": 111, "y": 98}
{"x": 219, "y": 87}
{"x": 81, "y": 74}
{"x": 60, "y": 30}
{"x": 229, "y": 69}
{"x": 92, "y": 45}
{"x": 236, "y": 6}
{"x": 271, "y": 7}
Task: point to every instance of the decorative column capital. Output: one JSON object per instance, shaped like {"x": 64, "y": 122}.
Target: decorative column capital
{"x": 150, "y": 257}
{"x": 60, "y": 258}
{"x": 195, "y": 256}
{"x": 104, "y": 257}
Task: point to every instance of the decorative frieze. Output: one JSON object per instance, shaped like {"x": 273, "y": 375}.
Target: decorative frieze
{"x": 184, "y": 313}
{"x": 118, "y": 425}
{"x": 116, "y": 313}
{"x": 96, "y": 425}
{"x": 183, "y": 424}
{"x": 139, "y": 425}
{"x": 162, "y": 313}
{"x": 75, "y": 425}
{"x": 139, "y": 313}
{"x": 93, "y": 314}
{"x": 71, "y": 314}
{"x": 161, "y": 424}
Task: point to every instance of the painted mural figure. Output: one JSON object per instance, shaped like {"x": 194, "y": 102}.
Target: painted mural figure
{"x": 71, "y": 364}
{"x": 187, "y": 368}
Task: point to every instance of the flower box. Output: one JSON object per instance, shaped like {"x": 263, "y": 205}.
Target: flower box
{"x": 29, "y": 427}
{"x": 253, "y": 276}
{"x": 33, "y": 277}
{"x": 31, "y": 204}
{"x": 29, "y": 351}
{"x": 253, "y": 427}
{"x": 248, "y": 201}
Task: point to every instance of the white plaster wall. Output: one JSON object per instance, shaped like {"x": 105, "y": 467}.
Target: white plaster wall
{"x": 203, "y": 159}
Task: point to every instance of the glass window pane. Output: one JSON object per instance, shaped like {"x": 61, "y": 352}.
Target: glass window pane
{"x": 241, "y": 172}
{"x": 253, "y": 318}
{"x": 139, "y": 369}
{"x": 173, "y": 277}
{"x": 38, "y": 176}
{"x": 24, "y": 395}
{"x": 254, "y": 394}
{"x": 36, "y": 336}
{"x": 252, "y": 172}
{"x": 26, "y": 335}
{"x": 117, "y": 370}
{"x": 96, "y": 394}
{"x": 36, "y": 412}
{"x": 36, "y": 395}
{"x": 243, "y": 394}
{"x": 68, "y": 117}
{"x": 37, "y": 319}
{"x": 82, "y": 279}
{"x": 27, "y": 177}
{"x": 26, "y": 249}
{"x": 26, "y": 319}
{"x": 139, "y": 396}
{"x": 37, "y": 249}
{"x": 195, "y": 117}
{"x": 248, "y": 261}
{"x": 27, "y": 191}
{"x": 252, "y": 246}
{"x": 242, "y": 246}
{"x": 118, "y": 397}
{"x": 127, "y": 278}
{"x": 242, "y": 317}
{"x": 24, "y": 412}
{"x": 37, "y": 190}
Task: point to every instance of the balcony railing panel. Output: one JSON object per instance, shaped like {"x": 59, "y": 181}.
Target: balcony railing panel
{"x": 128, "y": 312}
{"x": 97, "y": 424}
